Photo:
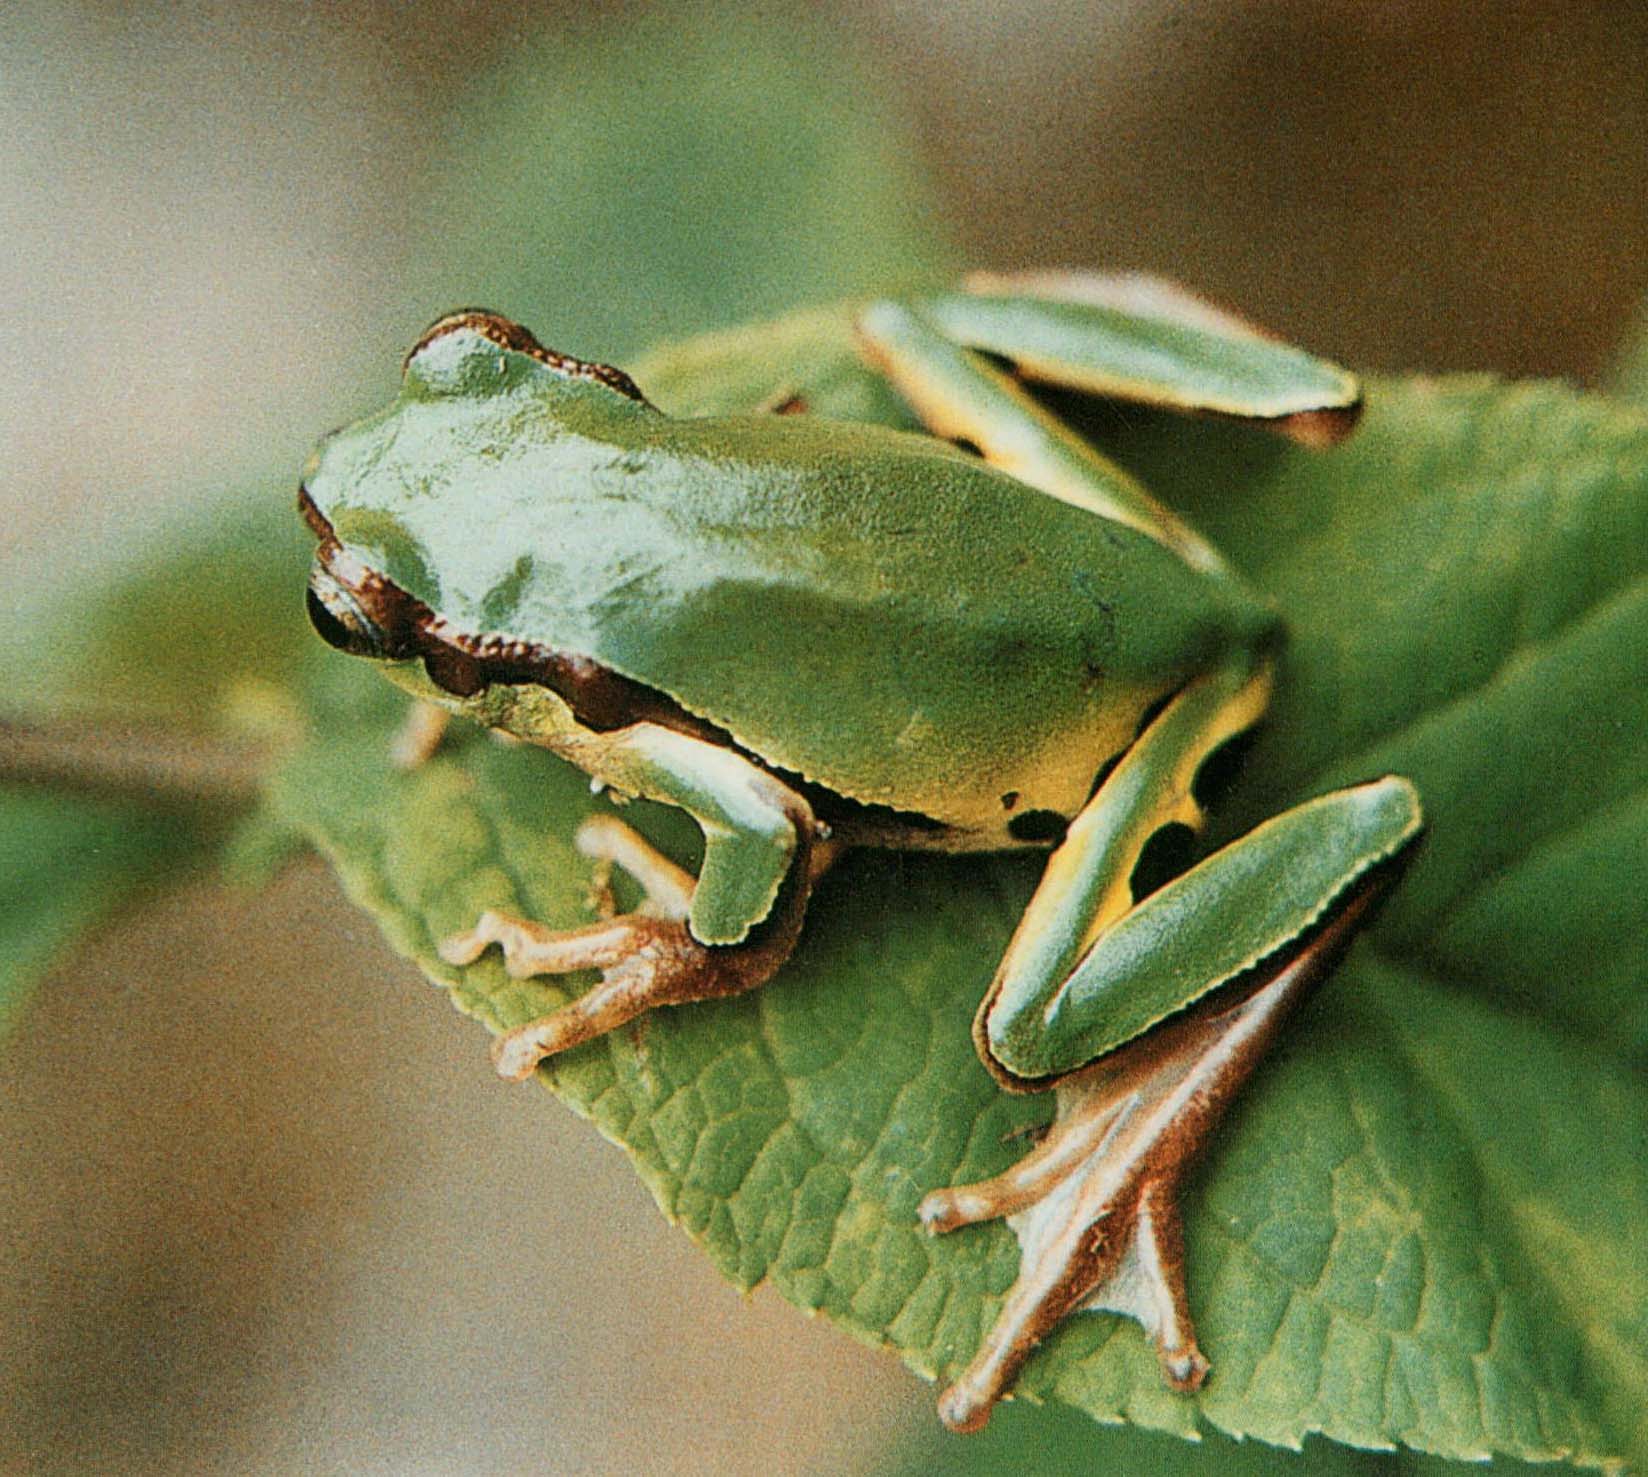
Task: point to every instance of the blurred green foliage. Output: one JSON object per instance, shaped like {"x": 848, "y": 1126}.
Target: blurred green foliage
{"x": 1630, "y": 377}
{"x": 62, "y": 866}
{"x": 612, "y": 203}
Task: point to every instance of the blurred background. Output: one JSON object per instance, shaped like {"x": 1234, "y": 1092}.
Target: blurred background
{"x": 266, "y": 1208}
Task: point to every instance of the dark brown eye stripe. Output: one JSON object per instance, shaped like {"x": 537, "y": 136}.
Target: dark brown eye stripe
{"x": 508, "y": 334}
{"x": 464, "y": 664}
{"x": 313, "y": 516}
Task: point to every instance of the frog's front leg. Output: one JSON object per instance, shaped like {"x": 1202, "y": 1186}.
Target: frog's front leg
{"x": 1098, "y": 996}
{"x": 726, "y": 932}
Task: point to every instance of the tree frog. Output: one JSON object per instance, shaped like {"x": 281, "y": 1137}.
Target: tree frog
{"x": 812, "y": 635}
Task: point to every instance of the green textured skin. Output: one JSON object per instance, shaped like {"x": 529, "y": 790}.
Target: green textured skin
{"x": 982, "y": 638}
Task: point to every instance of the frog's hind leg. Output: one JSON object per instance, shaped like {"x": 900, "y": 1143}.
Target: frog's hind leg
{"x": 1146, "y": 1014}
{"x": 962, "y": 397}
{"x": 1095, "y": 1205}
{"x": 1136, "y": 337}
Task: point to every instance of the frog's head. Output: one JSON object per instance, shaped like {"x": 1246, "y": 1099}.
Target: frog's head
{"x": 403, "y": 501}
{"x": 370, "y": 580}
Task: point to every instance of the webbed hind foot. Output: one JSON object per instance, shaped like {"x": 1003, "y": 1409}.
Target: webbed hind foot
{"x": 1095, "y": 1204}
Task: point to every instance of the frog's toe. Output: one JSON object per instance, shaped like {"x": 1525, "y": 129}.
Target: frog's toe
{"x": 467, "y": 947}
{"x": 644, "y": 962}
{"x": 646, "y": 958}
{"x": 462, "y": 948}
{"x": 1078, "y": 1209}
{"x": 664, "y": 965}
{"x": 516, "y": 1054}
{"x": 1102, "y": 1232}
{"x": 962, "y": 1205}
{"x": 940, "y": 1212}
{"x": 419, "y": 736}
{"x": 668, "y": 888}
{"x": 1186, "y": 1369}
{"x": 531, "y": 949}
{"x": 967, "y": 1404}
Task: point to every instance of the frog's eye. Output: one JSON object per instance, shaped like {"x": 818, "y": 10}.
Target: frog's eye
{"x": 478, "y": 324}
{"x": 344, "y": 619}
{"x": 468, "y": 353}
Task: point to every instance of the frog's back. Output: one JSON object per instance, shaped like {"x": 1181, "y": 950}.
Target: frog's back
{"x": 878, "y": 612}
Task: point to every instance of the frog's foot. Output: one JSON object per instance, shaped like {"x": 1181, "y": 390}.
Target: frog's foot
{"x": 1095, "y": 1205}
{"x": 419, "y": 735}
{"x": 644, "y": 962}
{"x": 646, "y": 958}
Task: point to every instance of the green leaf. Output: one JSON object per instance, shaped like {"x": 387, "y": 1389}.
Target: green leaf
{"x": 1425, "y": 1223}
{"x": 66, "y": 863}
{"x": 1055, "y": 1439}
{"x": 1629, "y": 379}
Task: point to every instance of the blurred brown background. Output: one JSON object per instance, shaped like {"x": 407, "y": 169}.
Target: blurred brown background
{"x": 246, "y": 1225}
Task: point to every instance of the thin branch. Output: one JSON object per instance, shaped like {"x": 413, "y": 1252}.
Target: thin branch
{"x": 134, "y": 761}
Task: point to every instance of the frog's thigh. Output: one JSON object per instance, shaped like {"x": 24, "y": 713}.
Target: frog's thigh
{"x": 961, "y": 397}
